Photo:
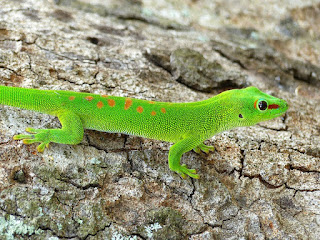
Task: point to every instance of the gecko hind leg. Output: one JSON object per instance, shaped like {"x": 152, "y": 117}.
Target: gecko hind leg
{"x": 38, "y": 135}
{"x": 204, "y": 148}
{"x": 70, "y": 133}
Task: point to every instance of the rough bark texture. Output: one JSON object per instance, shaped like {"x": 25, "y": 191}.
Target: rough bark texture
{"x": 262, "y": 182}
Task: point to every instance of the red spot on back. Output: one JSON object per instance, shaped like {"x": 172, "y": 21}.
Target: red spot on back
{"x": 71, "y": 98}
{"x": 139, "y": 109}
{"x": 273, "y": 106}
{"x": 89, "y": 98}
{"x": 99, "y": 104}
{"x": 127, "y": 103}
{"x": 163, "y": 110}
{"x": 255, "y": 104}
{"x": 153, "y": 113}
{"x": 111, "y": 102}
{"x": 104, "y": 96}
{"x": 151, "y": 102}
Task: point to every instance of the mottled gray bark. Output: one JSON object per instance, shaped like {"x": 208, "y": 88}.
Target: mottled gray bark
{"x": 262, "y": 182}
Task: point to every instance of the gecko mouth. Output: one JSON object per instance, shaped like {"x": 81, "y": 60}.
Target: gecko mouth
{"x": 283, "y": 110}
{"x": 280, "y": 114}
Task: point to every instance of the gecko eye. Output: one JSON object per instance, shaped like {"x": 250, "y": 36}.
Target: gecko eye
{"x": 240, "y": 115}
{"x": 262, "y": 105}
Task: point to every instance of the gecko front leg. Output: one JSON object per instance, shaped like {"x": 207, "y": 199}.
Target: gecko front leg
{"x": 175, "y": 154}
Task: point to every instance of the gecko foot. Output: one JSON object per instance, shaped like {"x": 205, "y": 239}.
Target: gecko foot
{"x": 204, "y": 148}
{"x": 38, "y": 135}
{"x": 184, "y": 171}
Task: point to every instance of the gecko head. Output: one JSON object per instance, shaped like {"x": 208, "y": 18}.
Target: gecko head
{"x": 256, "y": 106}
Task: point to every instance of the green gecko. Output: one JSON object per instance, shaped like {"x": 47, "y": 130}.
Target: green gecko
{"x": 186, "y": 125}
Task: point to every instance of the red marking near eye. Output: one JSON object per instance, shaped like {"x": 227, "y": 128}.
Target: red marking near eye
{"x": 139, "y": 109}
{"x": 151, "y": 102}
{"x": 111, "y": 102}
{"x": 153, "y": 113}
{"x": 89, "y": 98}
{"x": 104, "y": 95}
{"x": 163, "y": 110}
{"x": 255, "y": 104}
{"x": 71, "y": 98}
{"x": 273, "y": 106}
{"x": 127, "y": 103}
{"x": 99, "y": 104}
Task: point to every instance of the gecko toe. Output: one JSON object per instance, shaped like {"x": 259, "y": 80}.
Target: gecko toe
{"x": 29, "y": 141}
{"x": 22, "y": 136}
{"x": 41, "y": 147}
{"x": 31, "y": 130}
{"x": 184, "y": 171}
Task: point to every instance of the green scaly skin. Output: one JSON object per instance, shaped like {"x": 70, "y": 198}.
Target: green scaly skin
{"x": 187, "y": 125}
